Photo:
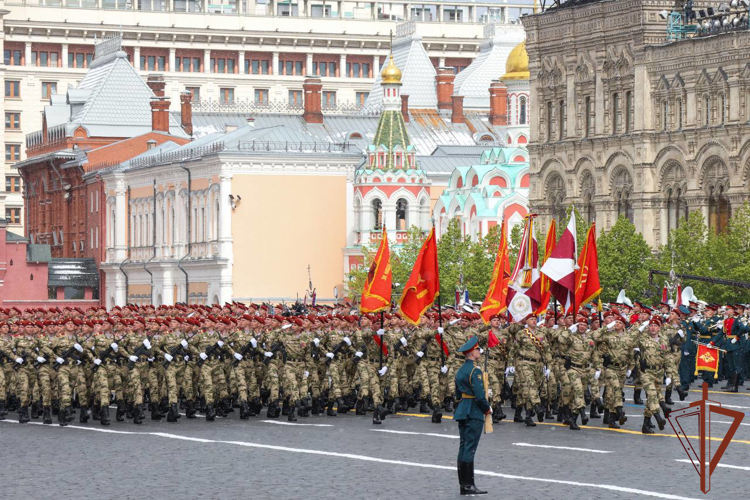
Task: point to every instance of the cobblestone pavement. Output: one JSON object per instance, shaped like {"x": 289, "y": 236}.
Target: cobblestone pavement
{"x": 348, "y": 457}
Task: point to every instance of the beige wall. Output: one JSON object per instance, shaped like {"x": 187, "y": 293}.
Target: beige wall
{"x": 435, "y": 193}
{"x": 283, "y": 224}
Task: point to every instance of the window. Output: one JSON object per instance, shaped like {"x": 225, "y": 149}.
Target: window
{"x": 616, "y": 113}
{"x": 622, "y": 188}
{"x": 12, "y": 89}
{"x": 13, "y": 215}
{"x": 561, "y": 116}
{"x": 522, "y": 111}
{"x": 226, "y": 96}
{"x": 723, "y": 104}
{"x": 257, "y": 67}
{"x": 556, "y": 196}
{"x": 588, "y": 118}
{"x": 402, "y": 215}
{"x": 324, "y": 69}
{"x": 197, "y": 62}
{"x": 361, "y": 98}
{"x": 549, "y": 121}
{"x": 12, "y": 121}
{"x": 48, "y": 89}
{"x": 195, "y": 91}
{"x": 630, "y": 112}
{"x": 707, "y": 110}
{"x": 45, "y": 59}
{"x": 261, "y": 96}
{"x": 719, "y": 210}
{"x": 12, "y": 152}
{"x": 665, "y": 115}
{"x": 295, "y": 97}
{"x": 679, "y": 114}
{"x": 12, "y": 57}
{"x": 377, "y": 215}
{"x": 329, "y": 99}
{"x": 13, "y": 183}
{"x": 81, "y": 59}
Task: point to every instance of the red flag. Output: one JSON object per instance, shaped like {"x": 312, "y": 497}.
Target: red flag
{"x": 423, "y": 286}
{"x": 491, "y": 340}
{"x": 664, "y": 294}
{"x": 587, "y": 275}
{"x": 442, "y": 344}
{"x": 495, "y": 301}
{"x": 383, "y": 346}
{"x": 707, "y": 360}
{"x": 678, "y": 302}
{"x": 549, "y": 245}
{"x": 376, "y": 295}
{"x": 525, "y": 285}
{"x": 560, "y": 266}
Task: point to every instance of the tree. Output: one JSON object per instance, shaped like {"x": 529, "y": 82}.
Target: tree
{"x": 624, "y": 261}
{"x": 453, "y": 252}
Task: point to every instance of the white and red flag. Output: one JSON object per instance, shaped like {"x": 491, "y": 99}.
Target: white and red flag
{"x": 560, "y": 266}
{"x": 525, "y": 287}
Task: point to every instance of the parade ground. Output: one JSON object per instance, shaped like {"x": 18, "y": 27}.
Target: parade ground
{"x": 348, "y": 457}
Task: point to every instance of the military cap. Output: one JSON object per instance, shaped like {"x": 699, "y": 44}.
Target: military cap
{"x": 470, "y": 345}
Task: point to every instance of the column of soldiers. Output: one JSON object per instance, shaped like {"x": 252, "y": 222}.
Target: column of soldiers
{"x": 212, "y": 360}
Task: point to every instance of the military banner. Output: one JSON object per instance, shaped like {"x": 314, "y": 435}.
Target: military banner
{"x": 423, "y": 286}
{"x": 376, "y": 295}
{"x": 495, "y": 302}
{"x": 707, "y": 360}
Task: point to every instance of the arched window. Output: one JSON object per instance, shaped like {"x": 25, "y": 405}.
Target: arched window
{"x": 679, "y": 114}
{"x": 377, "y": 215}
{"x": 589, "y": 118}
{"x": 587, "y": 194}
{"x": 402, "y": 215}
{"x": 522, "y": 111}
{"x": 172, "y": 225}
{"x": 616, "y": 113}
{"x": 723, "y": 104}
{"x": 622, "y": 189}
{"x": 556, "y": 197}
{"x": 665, "y": 115}
{"x": 630, "y": 112}
{"x": 561, "y": 118}
{"x": 549, "y": 121}
{"x": 715, "y": 180}
{"x": 707, "y": 109}
{"x": 216, "y": 220}
{"x": 674, "y": 178}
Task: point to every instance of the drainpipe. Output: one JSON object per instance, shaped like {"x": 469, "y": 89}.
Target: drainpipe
{"x": 153, "y": 241}
{"x": 127, "y": 259}
{"x": 189, "y": 234}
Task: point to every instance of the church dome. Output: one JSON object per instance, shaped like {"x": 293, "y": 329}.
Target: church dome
{"x": 517, "y": 65}
{"x": 391, "y": 73}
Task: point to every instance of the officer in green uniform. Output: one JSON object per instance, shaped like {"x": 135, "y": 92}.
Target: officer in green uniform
{"x": 470, "y": 414}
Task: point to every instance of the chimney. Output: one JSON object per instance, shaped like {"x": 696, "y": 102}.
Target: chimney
{"x": 498, "y": 103}
{"x": 150, "y": 144}
{"x": 405, "y": 107}
{"x": 156, "y": 83}
{"x": 311, "y": 90}
{"x": 186, "y": 112}
{"x": 457, "y": 109}
{"x": 160, "y": 114}
{"x": 444, "y": 78}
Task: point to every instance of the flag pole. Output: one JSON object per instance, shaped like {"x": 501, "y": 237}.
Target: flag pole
{"x": 555, "y": 305}
{"x": 440, "y": 324}
{"x": 382, "y": 339}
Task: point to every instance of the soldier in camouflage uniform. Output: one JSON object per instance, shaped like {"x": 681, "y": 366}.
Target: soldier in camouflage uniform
{"x": 655, "y": 359}
{"x": 578, "y": 347}
{"x": 532, "y": 357}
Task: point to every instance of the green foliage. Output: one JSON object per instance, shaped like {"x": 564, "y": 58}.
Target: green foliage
{"x": 624, "y": 261}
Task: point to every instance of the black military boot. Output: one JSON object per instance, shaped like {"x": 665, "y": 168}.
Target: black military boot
{"x": 666, "y": 409}
{"x": 599, "y": 404}
{"x": 566, "y": 415}
{"x": 95, "y": 415}
{"x": 513, "y": 401}
{"x": 13, "y": 403}
{"x": 255, "y": 407}
{"x": 137, "y": 414}
{"x": 518, "y": 417}
{"x": 211, "y": 412}
{"x": 62, "y": 419}
{"x": 244, "y": 410}
{"x": 647, "y": 426}
{"x": 437, "y": 416}
{"x": 539, "y": 410}
{"x": 174, "y": 413}
{"x": 120, "y": 414}
{"x": 359, "y": 407}
{"x": 668, "y": 397}
{"x": 315, "y": 409}
{"x": 36, "y": 409}
{"x": 500, "y": 414}
{"x": 271, "y": 412}
{"x": 449, "y": 404}
{"x": 660, "y": 421}
{"x": 330, "y": 411}
{"x": 104, "y": 414}
{"x": 594, "y": 413}
{"x": 584, "y": 418}
{"x": 70, "y": 414}
{"x": 291, "y": 416}
{"x": 424, "y": 406}
{"x": 621, "y": 416}
{"x": 548, "y": 413}
{"x": 530, "y": 418}
{"x": 560, "y": 413}
{"x": 681, "y": 392}
{"x": 23, "y": 414}
{"x": 495, "y": 414}
{"x": 637, "y": 397}
{"x": 341, "y": 406}
{"x": 573, "y": 422}
{"x": 735, "y": 383}
{"x": 190, "y": 409}
{"x": 605, "y": 420}
{"x": 128, "y": 410}
{"x": 3, "y": 411}
{"x": 46, "y": 415}
{"x": 228, "y": 406}
{"x": 219, "y": 409}
{"x": 470, "y": 488}
{"x": 84, "y": 418}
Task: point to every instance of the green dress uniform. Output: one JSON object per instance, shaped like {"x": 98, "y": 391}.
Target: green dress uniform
{"x": 469, "y": 414}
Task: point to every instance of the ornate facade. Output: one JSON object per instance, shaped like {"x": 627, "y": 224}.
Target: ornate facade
{"x": 625, "y": 123}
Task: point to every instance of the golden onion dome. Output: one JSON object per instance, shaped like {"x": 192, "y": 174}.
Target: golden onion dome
{"x": 517, "y": 65}
{"x": 391, "y": 73}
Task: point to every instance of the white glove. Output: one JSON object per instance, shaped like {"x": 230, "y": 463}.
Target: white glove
{"x": 686, "y": 353}
{"x": 186, "y": 357}
{"x": 19, "y": 361}
{"x": 60, "y": 361}
{"x": 573, "y": 328}
{"x": 40, "y": 359}
{"x": 146, "y": 343}
{"x": 643, "y": 326}
{"x": 403, "y": 341}
{"x": 203, "y": 356}
{"x": 420, "y": 354}
{"x": 440, "y": 330}
{"x": 681, "y": 333}
{"x": 507, "y": 370}
{"x": 555, "y": 327}
{"x": 636, "y": 349}
{"x": 114, "y": 346}
{"x": 220, "y": 343}
{"x": 306, "y": 374}
{"x": 133, "y": 359}
{"x": 348, "y": 341}
{"x": 78, "y": 347}
{"x": 627, "y": 374}
{"x": 489, "y": 393}
{"x": 151, "y": 360}
{"x": 597, "y": 374}
{"x": 382, "y": 371}
{"x": 183, "y": 343}
{"x": 168, "y": 357}
{"x": 97, "y": 361}
{"x": 329, "y": 355}
{"x": 381, "y": 332}
{"x": 546, "y": 372}
{"x": 268, "y": 354}
{"x": 444, "y": 370}
{"x": 78, "y": 362}
{"x": 512, "y": 369}
{"x": 696, "y": 320}
{"x": 316, "y": 341}
{"x": 358, "y": 354}
{"x": 734, "y": 341}
{"x": 238, "y": 356}
{"x": 610, "y": 325}
{"x": 254, "y": 343}
{"x": 668, "y": 381}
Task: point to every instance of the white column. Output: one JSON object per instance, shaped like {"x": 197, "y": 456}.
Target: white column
{"x": 27, "y": 56}
{"x": 65, "y": 55}
{"x": 207, "y": 61}
{"x": 137, "y": 58}
{"x": 375, "y": 66}
{"x": 121, "y": 240}
{"x": 439, "y": 13}
{"x": 342, "y": 66}
{"x": 241, "y": 62}
{"x": 275, "y": 64}
{"x": 226, "y": 255}
{"x": 309, "y": 65}
{"x": 167, "y": 292}
{"x": 351, "y": 216}
{"x": 389, "y": 217}
{"x": 172, "y": 67}
{"x": 441, "y": 62}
